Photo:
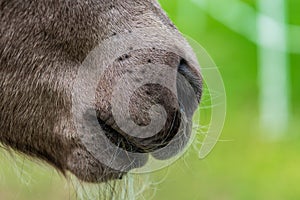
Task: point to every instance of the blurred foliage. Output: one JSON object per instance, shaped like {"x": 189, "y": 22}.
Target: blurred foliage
{"x": 245, "y": 164}
{"x": 235, "y": 56}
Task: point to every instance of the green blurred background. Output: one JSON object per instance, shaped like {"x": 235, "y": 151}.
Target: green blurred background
{"x": 254, "y": 159}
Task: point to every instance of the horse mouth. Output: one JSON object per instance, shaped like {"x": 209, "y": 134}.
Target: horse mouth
{"x": 142, "y": 145}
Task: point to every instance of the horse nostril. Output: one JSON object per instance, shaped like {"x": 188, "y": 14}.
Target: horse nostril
{"x": 189, "y": 88}
{"x": 191, "y": 76}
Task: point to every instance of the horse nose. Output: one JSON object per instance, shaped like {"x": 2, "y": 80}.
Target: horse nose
{"x": 184, "y": 103}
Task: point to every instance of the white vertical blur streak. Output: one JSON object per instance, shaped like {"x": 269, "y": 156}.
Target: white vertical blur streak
{"x": 239, "y": 17}
{"x": 273, "y": 66}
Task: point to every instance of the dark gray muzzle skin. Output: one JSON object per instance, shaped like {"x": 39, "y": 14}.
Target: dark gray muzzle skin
{"x": 43, "y": 43}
